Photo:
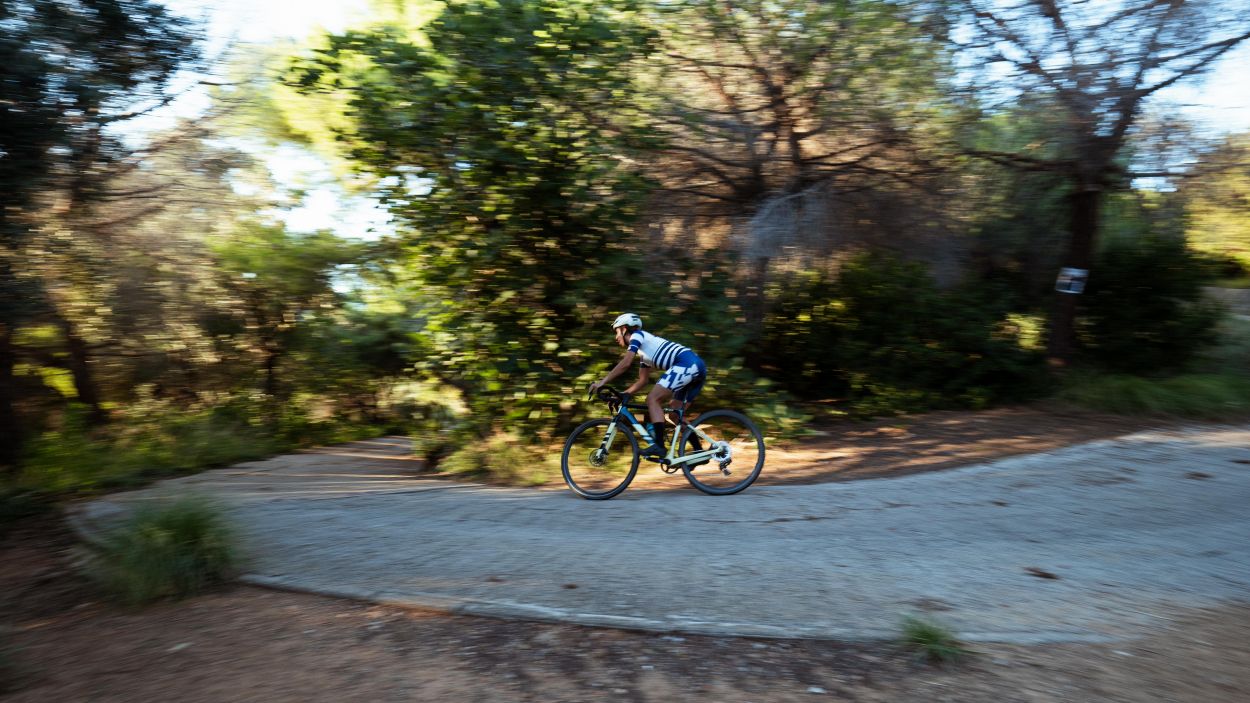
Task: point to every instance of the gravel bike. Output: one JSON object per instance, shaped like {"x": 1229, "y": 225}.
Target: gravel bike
{"x": 720, "y": 452}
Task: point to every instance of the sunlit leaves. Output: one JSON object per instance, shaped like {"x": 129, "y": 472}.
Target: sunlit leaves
{"x": 493, "y": 134}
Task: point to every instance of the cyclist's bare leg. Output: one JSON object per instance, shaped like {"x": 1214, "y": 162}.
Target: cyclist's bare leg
{"x": 655, "y": 402}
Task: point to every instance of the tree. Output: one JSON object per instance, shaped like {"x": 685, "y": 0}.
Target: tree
{"x": 781, "y": 119}
{"x": 761, "y": 99}
{"x": 1217, "y": 198}
{"x": 496, "y": 134}
{"x": 1098, "y": 63}
{"x": 68, "y": 69}
{"x": 280, "y": 282}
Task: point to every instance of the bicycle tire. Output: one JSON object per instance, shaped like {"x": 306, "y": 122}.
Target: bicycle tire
{"x": 751, "y": 438}
{"x": 584, "y": 478}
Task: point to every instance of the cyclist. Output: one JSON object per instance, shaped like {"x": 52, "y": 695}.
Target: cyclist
{"x": 683, "y": 374}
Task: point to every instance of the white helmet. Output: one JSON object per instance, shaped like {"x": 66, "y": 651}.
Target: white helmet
{"x": 628, "y": 319}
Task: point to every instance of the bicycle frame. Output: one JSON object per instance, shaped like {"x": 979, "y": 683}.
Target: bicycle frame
{"x": 596, "y": 477}
{"x": 625, "y": 417}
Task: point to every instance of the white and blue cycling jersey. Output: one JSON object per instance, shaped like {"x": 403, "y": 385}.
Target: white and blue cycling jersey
{"x": 655, "y": 351}
{"x": 684, "y": 371}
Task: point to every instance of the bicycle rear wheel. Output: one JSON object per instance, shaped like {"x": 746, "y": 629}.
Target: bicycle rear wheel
{"x": 594, "y": 468}
{"x": 739, "y": 454}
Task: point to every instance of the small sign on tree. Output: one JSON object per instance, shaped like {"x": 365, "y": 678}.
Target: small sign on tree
{"x": 1071, "y": 280}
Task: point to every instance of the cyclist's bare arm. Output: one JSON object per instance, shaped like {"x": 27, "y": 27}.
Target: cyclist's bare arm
{"x": 644, "y": 375}
{"x": 617, "y": 371}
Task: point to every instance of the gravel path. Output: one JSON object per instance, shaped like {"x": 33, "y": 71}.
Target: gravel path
{"x": 1086, "y": 543}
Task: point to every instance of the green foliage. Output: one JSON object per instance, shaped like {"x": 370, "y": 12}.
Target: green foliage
{"x": 496, "y": 135}
{"x": 1216, "y": 385}
{"x": 172, "y": 550}
{"x": 436, "y": 431}
{"x": 1198, "y": 396}
{"x": 882, "y": 336}
{"x": 154, "y": 439}
{"x": 502, "y": 458}
{"x": 1232, "y": 353}
{"x": 70, "y": 70}
{"x": 931, "y": 641}
{"x": 731, "y": 385}
{"x": 281, "y": 283}
{"x": 1218, "y": 201}
{"x": 283, "y": 267}
{"x": 516, "y": 145}
{"x": 1224, "y": 270}
{"x": 66, "y": 74}
{"x": 1239, "y": 283}
{"x": 75, "y": 458}
{"x": 1143, "y": 311}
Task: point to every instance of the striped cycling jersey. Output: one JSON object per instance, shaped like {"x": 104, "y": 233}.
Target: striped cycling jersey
{"x": 655, "y": 351}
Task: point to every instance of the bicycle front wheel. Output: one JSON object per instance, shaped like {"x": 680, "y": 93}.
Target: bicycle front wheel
{"x": 600, "y": 459}
{"x": 737, "y": 452}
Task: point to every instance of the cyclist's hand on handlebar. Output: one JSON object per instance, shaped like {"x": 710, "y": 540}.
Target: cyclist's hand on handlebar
{"x": 594, "y": 387}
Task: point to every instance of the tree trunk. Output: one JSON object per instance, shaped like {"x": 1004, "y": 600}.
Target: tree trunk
{"x": 271, "y": 373}
{"x": 10, "y": 431}
{"x": 80, "y": 368}
{"x": 1061, "y": 342}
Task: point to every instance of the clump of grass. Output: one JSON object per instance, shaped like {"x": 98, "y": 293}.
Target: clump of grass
{"x": 166, "y": 551}
{"x": 1210, "y": 396}
{"x": 931, "y": 641}
{"x": 501, "y": 458}
{"x": 76, "y": 459}
{"x": 149, "y": 441}
{"x": 1216, "y": 387}
{"x": 1242, "y": 282}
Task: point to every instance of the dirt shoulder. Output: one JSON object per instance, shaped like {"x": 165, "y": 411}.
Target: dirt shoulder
{"x": 908, "y": 444}
{"x": 253, "y": 644}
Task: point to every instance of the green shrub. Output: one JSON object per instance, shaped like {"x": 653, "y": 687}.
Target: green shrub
{"x": 774, "y": 410}
{"x": 931, "y": 641}
{"x": 436, "y": 431}
{"x": 884, "y": 338}
{"x": 1199, "y": 396}
{"x": 150, "y": 440}
{"x": 130, "y": 452}
{"x": 1215, "y": 386}
{"x": 172, "y": 550}
{"x": 1221, "y": 266}
{"x": 1231, "y": 353}
{"x": 296, "y": 427}
{"x": 502, "y": 458}
{"x": 1144, "y": 311}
